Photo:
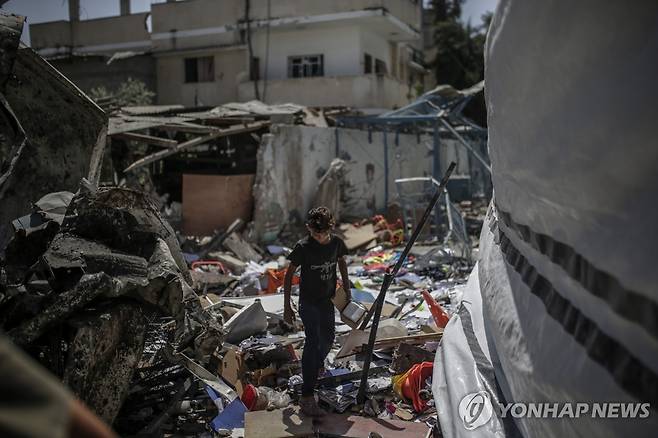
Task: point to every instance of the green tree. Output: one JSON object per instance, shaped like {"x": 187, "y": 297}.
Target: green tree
{"x": 132, "y": 92}
{"x": 459, "y": 57}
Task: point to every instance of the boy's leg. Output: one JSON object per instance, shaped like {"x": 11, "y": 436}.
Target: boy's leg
{"x": 310, "y": 363}
{"x": 326, "y": 331}
{"x": 310, "y": 360}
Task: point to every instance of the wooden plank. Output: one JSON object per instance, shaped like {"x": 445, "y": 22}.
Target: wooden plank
{"x": 356, "y": 237}
{"x": 96, "y": 161}
{"x": 148, "y": 139}
{"x": 420, "y": 338}
{"x": 279, "y": 423}
{"x": 413, "y": 340}
{"x": 213, "y": 202}
{"x": 195, "y": 142}
{"x": 242, "y": 249}
{"x": 192, "y": 128}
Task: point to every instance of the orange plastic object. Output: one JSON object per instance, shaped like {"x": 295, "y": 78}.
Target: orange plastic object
{"x": 441, "y": 317}
{"x": 275, "y": 279}
{"x": 407, "y": 387}
{"x": 415, "y": 382}
{"x": 409, "y": 384}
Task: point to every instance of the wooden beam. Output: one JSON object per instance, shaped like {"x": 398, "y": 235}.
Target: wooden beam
{"x": 96, "y": 161}
{"x": 148, "y": 139}
{"x": 239, "y": 129}
{"x": 413, "y": 340}
{"x": 192, "y": 128}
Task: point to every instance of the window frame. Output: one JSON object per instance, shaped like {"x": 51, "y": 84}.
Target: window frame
{"x": 367, "y": 63}
{"x": 192, "y": 66}
{"x": 301, "y": 66}
{"x": 378, "y": 67}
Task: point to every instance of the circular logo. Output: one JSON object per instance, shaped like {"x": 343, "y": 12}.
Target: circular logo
{"x": 475, "y": 409}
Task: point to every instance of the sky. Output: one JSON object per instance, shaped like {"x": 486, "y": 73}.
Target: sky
{"x": 38, "y": 11}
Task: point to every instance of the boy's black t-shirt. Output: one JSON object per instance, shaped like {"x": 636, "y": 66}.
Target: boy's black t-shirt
{"x": 318, "y": 267}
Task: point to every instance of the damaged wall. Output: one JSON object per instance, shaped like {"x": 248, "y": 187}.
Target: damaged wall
{"x": 293, "y": 159}
{"x": 408, "y": 156}
{"x": 62, "y": 127}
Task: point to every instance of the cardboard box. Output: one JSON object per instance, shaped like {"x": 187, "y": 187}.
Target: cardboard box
{"x": 351, "y": 312}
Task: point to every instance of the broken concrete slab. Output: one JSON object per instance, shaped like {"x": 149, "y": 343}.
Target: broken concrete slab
{"x": 241, "y": 248}
{"x": 88, "y": 288}
{"x": 235, "y": 265}
{"x": 69, "y": 257}
{"x": 206, "y": 281}
{"x": 46, "y": 151}
{"x": 104, "y": 353}
{"x": 126, "y": 220}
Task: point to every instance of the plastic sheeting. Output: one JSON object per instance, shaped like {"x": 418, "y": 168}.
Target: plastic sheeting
{"x": 562, "y": 306}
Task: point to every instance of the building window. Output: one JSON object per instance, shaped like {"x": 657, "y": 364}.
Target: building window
{"x": 380, "y": 67}
{"x": 254, "y": 69}
{"x": 200, "y": 69}
{"x": 367, "y": 64}
{"x": 305, "y": 66}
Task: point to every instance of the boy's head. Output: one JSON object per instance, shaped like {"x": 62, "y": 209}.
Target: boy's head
{"x": 319, "y": 223}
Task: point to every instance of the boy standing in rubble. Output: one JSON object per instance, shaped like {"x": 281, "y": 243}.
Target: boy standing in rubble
{"x": 317, "y": 254}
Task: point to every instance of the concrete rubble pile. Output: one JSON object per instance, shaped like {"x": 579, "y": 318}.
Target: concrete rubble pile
{"x": 112, "y": 265}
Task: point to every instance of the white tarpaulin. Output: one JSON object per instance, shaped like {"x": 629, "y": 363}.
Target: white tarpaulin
{"x": 563, "y": 304}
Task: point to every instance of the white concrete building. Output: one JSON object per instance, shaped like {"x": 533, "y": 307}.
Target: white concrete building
{"x": 360, "y": 53}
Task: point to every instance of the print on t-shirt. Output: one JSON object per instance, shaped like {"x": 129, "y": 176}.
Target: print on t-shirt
{"x": 327, "y": 269}
{"x": 318, "y": 267}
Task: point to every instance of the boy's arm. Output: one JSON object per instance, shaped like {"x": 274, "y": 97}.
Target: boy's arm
{"x": 288, "y": 315}
{"x": 342, "y": 267}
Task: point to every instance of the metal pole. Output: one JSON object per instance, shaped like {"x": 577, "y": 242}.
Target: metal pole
{"x": 436, "y": 168}
{"x": 385, "y": 170}
{"x": 388, "y": 279}
{"x": 466, "y": 145}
